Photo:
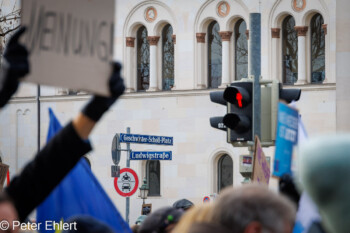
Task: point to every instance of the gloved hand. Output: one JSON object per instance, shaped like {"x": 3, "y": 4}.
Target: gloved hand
{"x": 98, "y": 105}
{"x": 15, "y": 65}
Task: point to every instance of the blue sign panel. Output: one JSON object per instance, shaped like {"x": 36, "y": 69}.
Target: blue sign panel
{"x": 146, "y": 139}
{"x": 151, "y": 155}
{"x": 286, "y": 139}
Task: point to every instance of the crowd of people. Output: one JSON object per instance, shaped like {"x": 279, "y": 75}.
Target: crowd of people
{"x": 251, "y": 208}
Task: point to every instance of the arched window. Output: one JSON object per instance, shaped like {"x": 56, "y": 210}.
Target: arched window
{"x": 317, "y": 49}
{"x": 225, "y": 172}
{"x": 214, "y": 56}
{"x": 142, "y": 60}
{"x": 241, "y": 50}
{"x": 289, "y": 51}
{"x": 168, "y": 58}
{"x": 153, "y": 177}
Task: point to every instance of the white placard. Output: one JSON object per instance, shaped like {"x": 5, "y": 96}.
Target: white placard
{"x": 70, "y": 42}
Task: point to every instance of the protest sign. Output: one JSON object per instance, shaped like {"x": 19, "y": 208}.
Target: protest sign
{"x": 70, "y": 42}
{"x": 261, "y": 168}
{"x": 286, "y": 139}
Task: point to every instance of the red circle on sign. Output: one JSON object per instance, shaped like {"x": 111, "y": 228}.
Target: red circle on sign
{"x": 120, "y": 192}
{"x": 206, "y": 199}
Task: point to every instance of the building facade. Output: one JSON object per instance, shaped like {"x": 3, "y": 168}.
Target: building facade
{"x": 174, "y": 53}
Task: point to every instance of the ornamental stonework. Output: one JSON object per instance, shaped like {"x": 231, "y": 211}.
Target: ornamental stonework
{"x": 153, "y": 40}
{"x": 225, "y": 36}
{"x": 301, "y": 30}
{"x": 223, "y": 9}
{"x": 324, "y": 27}
{"x": 298, "y": 5}
{"x": 275, "y": 32}
{"x": 151, "y": 14}
{"x": 130, "y": 42}
{"x": 200, "y": 37}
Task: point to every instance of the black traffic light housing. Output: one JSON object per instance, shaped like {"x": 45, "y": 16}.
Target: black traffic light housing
{"x": 289, "y": 95}
{"x": 239, "y": 117}
{"x": 238, "y": 97}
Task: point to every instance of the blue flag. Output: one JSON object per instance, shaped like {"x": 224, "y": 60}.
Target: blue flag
{"x": 79, "y": 193}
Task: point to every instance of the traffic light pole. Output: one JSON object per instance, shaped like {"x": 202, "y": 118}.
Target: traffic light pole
{"x": 255, "y": 68}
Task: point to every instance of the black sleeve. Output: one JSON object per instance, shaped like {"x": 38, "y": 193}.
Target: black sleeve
{"x": 46, "y": 170}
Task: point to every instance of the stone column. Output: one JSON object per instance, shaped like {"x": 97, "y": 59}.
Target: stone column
{"x": 175, "y": 62}
{"x": 130, "y": 78}
{"x": 275, "y": 34}
{"x": 225, "y": 76}
{"x": 247, "y": 34}
{"x": 153, "y": 41}
{"x": 201, "y": 82}
{"x": 301, "y": 30}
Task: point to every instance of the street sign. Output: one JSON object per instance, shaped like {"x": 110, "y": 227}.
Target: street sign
{"x": 151, "y": 155}
{"x": 206, "y": 199}
{"x": 116, "y": 150}
{"x": 286, "y": 139}
{"x": 127, "y": 183}
{"x": 261, "y": 168}
{"x": 115, "y": 171}
{"x": 146, "y": 139}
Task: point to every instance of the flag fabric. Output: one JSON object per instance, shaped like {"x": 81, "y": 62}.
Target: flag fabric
{"x": 79, "y": 193}
{"x": 307, "y": 212}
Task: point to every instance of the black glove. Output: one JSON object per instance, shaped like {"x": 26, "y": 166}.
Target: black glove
{"x": 98, "y": 104}
{"x": 15, "y": 66}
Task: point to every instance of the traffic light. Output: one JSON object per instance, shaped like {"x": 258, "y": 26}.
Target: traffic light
{"x": 271, "y": 93}
{"x": 238, "y": 121}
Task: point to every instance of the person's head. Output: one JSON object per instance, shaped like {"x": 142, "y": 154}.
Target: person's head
{"x": 197, "y": 214}
{"x": 287, "y": 187}
{"x": 8, "y": 214}
{"x": 183, "y": 204}
{"x": 86, "y": 224}
{"x": 162, "y": 220}
{"x": 253, "y": 208}
{"x": 325, "y": 174}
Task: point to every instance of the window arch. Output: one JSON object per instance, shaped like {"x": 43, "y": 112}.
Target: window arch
{"x": 289, "y": 51}
{"x": 318, "y": 63}
{"x": 225, "y": 172}
{"x": 214, "y": 55}
{"x": 153, "y": 177}
{"x": 241, "y": 50}
{"x": 143, "y": 54}
{"x": 168, "y": 58}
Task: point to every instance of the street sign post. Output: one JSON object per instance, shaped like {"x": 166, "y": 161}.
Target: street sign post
{"x": 128, "y": 182}
{"x": 151, "y": 155}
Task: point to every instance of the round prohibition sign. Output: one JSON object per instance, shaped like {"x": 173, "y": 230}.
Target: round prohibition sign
{"x": 128, "y": 182}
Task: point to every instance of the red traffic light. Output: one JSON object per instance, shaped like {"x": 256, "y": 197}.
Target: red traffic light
{"x": 239, "y": 99}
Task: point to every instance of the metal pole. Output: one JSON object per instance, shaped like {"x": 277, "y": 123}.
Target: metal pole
{"x": 255, "y": 67}
{"x": 38, "y": 115}
{"x": 127, "y": 165}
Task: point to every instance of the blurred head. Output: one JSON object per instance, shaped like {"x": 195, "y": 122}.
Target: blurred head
{"x": 287, "y": 187}
{"x": 325, "y": 174}
{"x": 8, "y": 213}
{"x": 161, "y": 221}
{"x": 197, "y": 214}
{"x": 183, "y": 204}
{"x": 87, "y": 224}
{"x": 254, "y": 208}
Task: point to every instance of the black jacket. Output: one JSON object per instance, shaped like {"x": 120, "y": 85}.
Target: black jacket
{"x": 45, "y": 172}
